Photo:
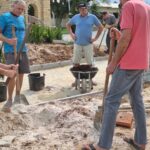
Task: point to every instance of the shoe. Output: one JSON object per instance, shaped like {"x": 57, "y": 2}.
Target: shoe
{"x": 131, "y": 142}
{"x": 88, "y": 147}
{"x": 7, "y": 106}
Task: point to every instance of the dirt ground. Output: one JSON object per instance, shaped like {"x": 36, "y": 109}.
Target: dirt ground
{"x": 60, "y": 124}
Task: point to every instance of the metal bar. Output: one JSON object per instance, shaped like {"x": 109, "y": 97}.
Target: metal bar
{"x": 71, "y": 97}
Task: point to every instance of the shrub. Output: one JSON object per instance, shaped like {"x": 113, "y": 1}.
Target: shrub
{"x": 43, "y": 34}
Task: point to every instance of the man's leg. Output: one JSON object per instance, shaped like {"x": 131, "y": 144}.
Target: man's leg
{"x": 9, "y": 60}
{"x": 8, "y": 103}
{"x": 77, "y": 54}
{"x": 122, "y": 81}
{"x": 23, "y": 68}
{"x": 89, "y": 56}
{"x": 139, "y": 112}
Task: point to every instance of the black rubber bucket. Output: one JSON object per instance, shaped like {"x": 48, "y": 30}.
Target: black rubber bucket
{"x": 3, "y": 91}
{"x": 36, "y": 81}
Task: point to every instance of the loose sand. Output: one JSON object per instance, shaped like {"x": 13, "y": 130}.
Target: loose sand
{"x": 60, "y": 125}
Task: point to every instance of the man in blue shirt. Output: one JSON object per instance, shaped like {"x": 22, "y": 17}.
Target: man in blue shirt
{"x": 84, "y": 22}
{"x": 7, "y": 21}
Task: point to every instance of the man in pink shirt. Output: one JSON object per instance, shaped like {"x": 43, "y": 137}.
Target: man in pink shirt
{"x": 131, "y": 58}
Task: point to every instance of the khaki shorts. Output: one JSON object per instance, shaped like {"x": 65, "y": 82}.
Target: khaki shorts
{"x": 83, "y": 51}
{"x": 23, "y": 62}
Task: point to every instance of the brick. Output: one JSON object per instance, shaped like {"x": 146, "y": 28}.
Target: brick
{"x": 124, "y": 119}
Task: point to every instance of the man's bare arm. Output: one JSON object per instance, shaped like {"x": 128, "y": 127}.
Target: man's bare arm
{"x": 68, "y": 26}
{"x": 120, "y": 50}
{"x": 99, "y": 31}
{"x": 11, "y": 41}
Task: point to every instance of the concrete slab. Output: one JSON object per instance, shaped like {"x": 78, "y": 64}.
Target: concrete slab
{"x": 58, "y": 83}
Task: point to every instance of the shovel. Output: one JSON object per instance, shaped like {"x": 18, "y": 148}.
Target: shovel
{"x": 101, "y": 40}
{"x": 99, "y": 112}
{"x": 19, "y": 98}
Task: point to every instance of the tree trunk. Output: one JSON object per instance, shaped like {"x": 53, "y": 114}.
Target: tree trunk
{"x": 58, "y": 22}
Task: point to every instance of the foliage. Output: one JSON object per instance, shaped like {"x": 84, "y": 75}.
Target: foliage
{"x": 95, "y": 10}
{"x": 60, "y": 10}
{"x": 43, "y": 34}
{"x": 74, "y": 10}
{"x": 73, "y": 6}
{"x": 2, "y": 59}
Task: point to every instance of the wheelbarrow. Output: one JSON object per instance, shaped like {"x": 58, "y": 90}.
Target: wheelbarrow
{"x": 83, "y": 77}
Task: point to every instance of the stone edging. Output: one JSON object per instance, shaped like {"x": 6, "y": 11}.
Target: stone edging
{"x": 58, "y": 64}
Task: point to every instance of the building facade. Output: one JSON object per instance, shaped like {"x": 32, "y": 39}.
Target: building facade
{"x": 36, "y": 10}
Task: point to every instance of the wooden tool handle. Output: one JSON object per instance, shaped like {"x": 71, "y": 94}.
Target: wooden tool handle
{"x": 20, "y": 49}
{"x": 14, "y": 35}
{"x": 111, "y": 50}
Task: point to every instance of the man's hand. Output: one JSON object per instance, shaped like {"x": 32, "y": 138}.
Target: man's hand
{"x": 111, "y": 68}
{"x": 14, "y": 67}
{"x": 115, "y": 33}
{"x": 73, "y": 36}
{"x": 107, "y": 26}
{"x": 93, "y": 40}
{"x": 10, "y": 73}
{"x": 12, "y": 41}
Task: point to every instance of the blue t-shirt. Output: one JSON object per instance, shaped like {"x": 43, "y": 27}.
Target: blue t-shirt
{"x": 7, "y": 20}
{"x": 84, "y": 27}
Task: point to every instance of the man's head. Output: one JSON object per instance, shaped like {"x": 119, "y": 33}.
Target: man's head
{"x": 83, "y": 9}
{"x": 105, "y": 15}
{"x": 122, "y": 2}
{"x": 18, "y": 7}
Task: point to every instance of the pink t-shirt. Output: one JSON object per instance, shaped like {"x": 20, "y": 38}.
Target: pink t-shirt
{"x": 136, "y": 16}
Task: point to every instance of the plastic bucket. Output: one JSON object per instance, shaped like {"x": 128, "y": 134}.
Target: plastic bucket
{"x": 3, "y": 91}
{"x": 36, "y": 81}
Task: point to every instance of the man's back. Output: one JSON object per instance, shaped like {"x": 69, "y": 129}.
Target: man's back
{"x": 136, "y": 16}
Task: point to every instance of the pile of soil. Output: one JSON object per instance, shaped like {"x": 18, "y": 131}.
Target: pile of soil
{"x": 48, "y": 53}
{"x": 58, "y": 125}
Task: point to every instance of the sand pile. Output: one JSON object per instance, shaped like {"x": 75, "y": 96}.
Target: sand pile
{"x": 57, "y": 125}
{"x": 47, "y": 53}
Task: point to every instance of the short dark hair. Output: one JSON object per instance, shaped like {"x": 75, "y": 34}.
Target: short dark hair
{"x": 104, "y": 13}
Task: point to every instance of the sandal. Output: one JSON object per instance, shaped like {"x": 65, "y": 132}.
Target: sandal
{"x": 91, "y": 147}
{"x": 131, "y": 142}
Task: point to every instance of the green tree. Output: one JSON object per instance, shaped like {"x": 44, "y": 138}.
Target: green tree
{"x": 74, "y": 9}
{"x": 73, "y": 6}
{"x": 60, "y": 10}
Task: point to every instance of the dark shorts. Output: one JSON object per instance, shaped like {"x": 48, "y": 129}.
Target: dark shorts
{"x": 23, "y": 62}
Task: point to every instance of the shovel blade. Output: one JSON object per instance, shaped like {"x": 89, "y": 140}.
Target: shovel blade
{"x": 97, "y": 119}
{"x": 20, "y": 99}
